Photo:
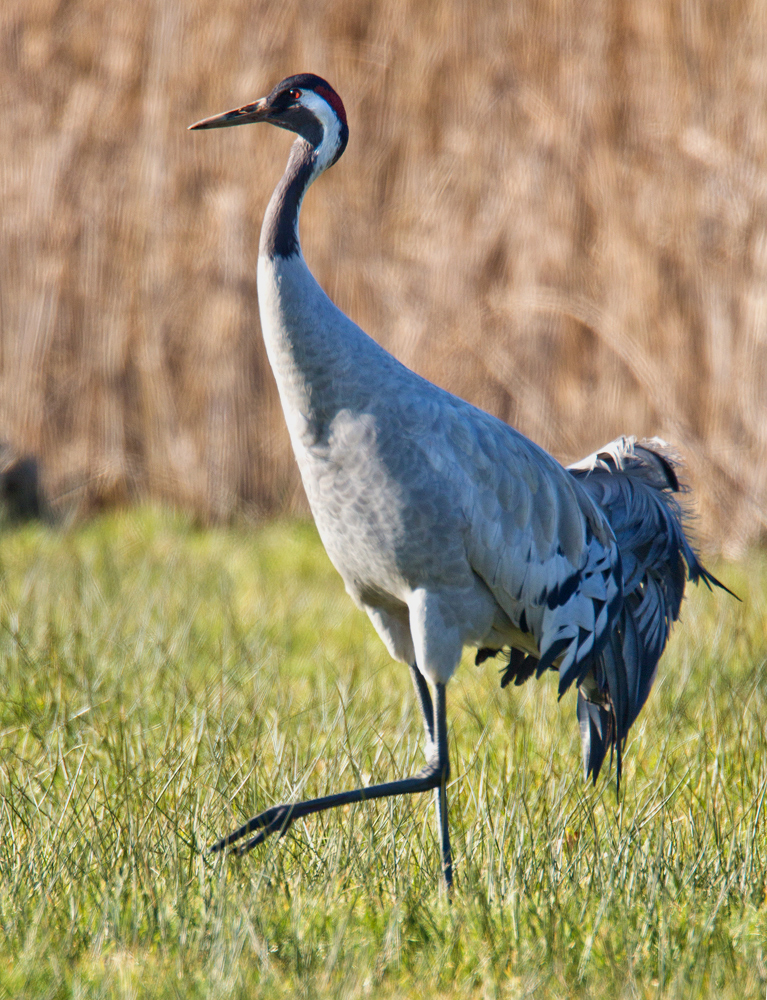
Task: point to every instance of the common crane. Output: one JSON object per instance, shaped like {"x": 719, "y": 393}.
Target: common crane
{"x": 449, "y": 527}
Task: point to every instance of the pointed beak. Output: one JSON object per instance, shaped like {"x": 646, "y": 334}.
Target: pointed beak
{"x": 256, "y": 112}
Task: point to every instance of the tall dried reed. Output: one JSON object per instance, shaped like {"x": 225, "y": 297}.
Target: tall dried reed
{"x": 557, "y": 210}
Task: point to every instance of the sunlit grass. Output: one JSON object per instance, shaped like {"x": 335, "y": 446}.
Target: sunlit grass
{"x": 161, "y": 683}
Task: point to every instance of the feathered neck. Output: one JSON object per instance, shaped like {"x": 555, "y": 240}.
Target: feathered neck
{"x": 279, "y": 232}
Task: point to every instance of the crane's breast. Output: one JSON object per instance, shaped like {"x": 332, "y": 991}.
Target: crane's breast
{"x": 388, "y": 520}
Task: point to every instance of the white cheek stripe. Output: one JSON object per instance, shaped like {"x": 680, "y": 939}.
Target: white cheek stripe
{"x": 328, "y": 148}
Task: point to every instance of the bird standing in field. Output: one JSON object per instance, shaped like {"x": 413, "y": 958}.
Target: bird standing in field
{"x": 449, "y": 527}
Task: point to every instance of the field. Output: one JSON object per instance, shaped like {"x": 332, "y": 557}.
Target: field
{"x": 161, "y": 682}
{"x": 554, "y": 209}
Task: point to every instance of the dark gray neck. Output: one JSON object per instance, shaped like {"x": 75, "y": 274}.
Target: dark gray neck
{"x": 279, "y": 232}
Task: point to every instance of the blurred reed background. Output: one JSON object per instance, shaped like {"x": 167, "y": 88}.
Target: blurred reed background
{"x": 555, "y": 209}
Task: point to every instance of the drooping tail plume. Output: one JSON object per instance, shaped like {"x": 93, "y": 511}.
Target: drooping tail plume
{"x": 636, "y": 485}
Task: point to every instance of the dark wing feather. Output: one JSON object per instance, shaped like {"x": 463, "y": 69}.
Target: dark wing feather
{"x": 636, "y": 486}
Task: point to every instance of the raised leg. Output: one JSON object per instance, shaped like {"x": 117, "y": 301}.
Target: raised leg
{"x": 278, "y": 819}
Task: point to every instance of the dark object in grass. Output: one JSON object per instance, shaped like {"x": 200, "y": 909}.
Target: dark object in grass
{"x": 19, "y": 486}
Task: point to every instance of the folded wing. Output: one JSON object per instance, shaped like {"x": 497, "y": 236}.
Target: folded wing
{"x": 637, "y": 488}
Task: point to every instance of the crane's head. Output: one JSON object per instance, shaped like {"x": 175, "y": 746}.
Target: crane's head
{"x": 305, "y": 104}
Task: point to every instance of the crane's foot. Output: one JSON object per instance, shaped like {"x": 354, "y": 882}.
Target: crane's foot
{"x": 277, "y": 819}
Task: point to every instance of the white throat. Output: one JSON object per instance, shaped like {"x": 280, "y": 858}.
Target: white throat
{"x": 325, "y": 153}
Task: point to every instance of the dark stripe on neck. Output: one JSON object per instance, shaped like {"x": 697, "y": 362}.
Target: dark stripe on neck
{"x": 279, "y": 232}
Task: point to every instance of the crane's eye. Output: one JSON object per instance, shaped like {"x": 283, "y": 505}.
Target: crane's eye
{"x": 294, "y": 94}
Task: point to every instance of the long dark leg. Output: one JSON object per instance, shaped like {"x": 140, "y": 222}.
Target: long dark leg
{"x": 440, "y": 797}
{"x": 437, "y": 755}
{"x": 278, "y": 819}
{"x": 424, "y": 701}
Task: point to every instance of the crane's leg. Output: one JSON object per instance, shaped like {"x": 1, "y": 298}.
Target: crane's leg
{"x": 278, "y": 819}
{"x": 438, "y": 757}
{"x": 424, "y": 702}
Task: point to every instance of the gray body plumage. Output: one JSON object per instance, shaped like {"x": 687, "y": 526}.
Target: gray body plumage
{"x": 449, "y": 527}
{"x": 431, "y": 510}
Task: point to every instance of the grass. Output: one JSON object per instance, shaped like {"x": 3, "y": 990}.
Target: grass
{"x": 161, "y": 682}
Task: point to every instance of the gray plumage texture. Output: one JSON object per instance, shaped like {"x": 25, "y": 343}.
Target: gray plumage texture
{"x": 449, "y": 527}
